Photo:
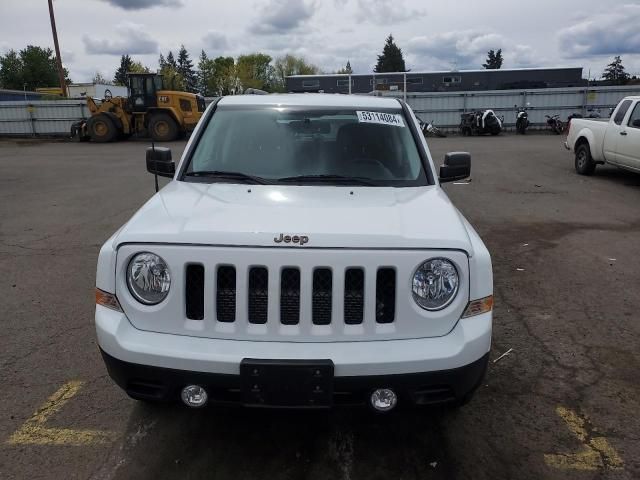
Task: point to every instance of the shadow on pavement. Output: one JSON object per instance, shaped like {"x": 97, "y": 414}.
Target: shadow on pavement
{"x": 175, "y": 442}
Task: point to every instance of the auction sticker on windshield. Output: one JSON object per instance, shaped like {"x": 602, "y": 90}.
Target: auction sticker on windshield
{"x": 393, "y": 119}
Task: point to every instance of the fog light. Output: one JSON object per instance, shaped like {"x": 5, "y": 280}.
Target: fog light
{"x": 383, "y": 399}
{"x": 194, "y": 396}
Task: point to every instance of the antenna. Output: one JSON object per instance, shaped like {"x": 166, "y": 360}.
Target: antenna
{"x": 155, "y": 164}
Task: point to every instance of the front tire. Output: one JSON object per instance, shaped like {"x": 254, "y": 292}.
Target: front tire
{"x": 584, "y": 163}
{"x": 163, "y": 128}
{"x": 101, "y": 129}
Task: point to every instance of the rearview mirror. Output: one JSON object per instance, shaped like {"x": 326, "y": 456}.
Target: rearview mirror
{"x": 457, "y": 166}
{"x": 159, "y": 162}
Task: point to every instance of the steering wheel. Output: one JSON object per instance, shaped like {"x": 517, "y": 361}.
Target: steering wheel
{"x": 108, "y": 95}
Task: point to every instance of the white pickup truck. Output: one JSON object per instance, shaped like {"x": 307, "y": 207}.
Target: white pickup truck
{"x": 616, "y": 142}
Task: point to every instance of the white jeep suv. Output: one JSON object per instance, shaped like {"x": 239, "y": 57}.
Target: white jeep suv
{"x": 303, "y": 255}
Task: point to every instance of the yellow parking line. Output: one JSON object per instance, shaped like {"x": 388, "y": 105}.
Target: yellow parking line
{"x": 35, "y": 432}
{"x": 596, "y": 452}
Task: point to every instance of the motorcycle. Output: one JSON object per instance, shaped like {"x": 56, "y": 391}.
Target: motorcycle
{"x": 480, "y": 122}
{"x": 522, "y": 119}
{"x": 430, "y": 130}
{"x": 593, "y": 113}
{"x": 556, "y": 125}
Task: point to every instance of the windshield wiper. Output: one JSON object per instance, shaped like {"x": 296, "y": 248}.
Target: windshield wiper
{"x": 329, "y": 178}
{"x": 227, "y": 175}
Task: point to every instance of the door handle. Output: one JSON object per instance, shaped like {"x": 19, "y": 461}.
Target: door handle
{"x": 623, "y": 133}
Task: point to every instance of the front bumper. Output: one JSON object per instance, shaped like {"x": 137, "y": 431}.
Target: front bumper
{"x": 143, "y": 382}
{"x": 156, "y": 366}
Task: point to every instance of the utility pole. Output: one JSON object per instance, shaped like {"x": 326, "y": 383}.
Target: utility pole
{"x": 63, "y": 85}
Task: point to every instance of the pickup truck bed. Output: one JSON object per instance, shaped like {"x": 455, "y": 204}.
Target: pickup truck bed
{"x": 616, "y": 141}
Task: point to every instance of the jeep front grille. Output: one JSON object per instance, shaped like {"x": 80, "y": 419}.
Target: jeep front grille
{"x": 226, "y": 293}
{"x": 258, "y": 295}
{"x": 385, "y": 295}
{"x": 290, "y": 296}
{"x": 354, "y": 296}
{"x": 290, "y": 289}
{"x": 194, "y": 292}
{"x": 321, "y": 296}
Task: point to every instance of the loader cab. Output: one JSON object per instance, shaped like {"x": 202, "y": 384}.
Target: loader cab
{"x": 142, "y": 90}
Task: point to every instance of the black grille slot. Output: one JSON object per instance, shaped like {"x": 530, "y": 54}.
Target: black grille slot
{"x": 194, "y": 292}
{"x": 321, "y": 297}
{"x": 226, "y": 294}
{"x": 258, "y": 294}
{"x": 290, "y": 296}
{"x": 385, "y": 295}
{"x": 353, "y": 296}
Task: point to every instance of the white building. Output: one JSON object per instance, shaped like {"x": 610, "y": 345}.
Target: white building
{"x": 96, "y": 90}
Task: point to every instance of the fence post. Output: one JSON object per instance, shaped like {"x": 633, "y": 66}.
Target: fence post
{"x": 585, "y": 100}
{"x": 30, "y": 109}
{"x": 405, "y": 87}
{"x": 349, "y": 84}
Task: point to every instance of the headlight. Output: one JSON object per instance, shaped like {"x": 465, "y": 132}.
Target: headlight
{"x": 435, "y": 284}
{"x": 148, "y": 278}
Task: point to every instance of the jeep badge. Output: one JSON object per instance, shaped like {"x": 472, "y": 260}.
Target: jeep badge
{"x": 299, "y": 239}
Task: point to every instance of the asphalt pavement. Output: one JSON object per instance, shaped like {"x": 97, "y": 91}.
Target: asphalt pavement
{"x": 563, "y": 403}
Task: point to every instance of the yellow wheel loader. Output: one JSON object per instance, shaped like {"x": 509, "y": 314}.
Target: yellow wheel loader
{"x": 163, "y": 115}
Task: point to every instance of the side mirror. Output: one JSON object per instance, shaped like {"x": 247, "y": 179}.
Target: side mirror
{"x": 636, "y": 123}
{"x": 457, "y": 166}
{"x": 159, "y": 162}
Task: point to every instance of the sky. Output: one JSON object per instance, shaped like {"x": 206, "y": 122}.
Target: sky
{"x": 433, "y": 35}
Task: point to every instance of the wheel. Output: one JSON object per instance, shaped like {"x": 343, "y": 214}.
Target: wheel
{"x": 163, "y": 127}
{"x": 584, "y": 163}
{"x": 101, "y": 128}
{"x": 439, "y": 133}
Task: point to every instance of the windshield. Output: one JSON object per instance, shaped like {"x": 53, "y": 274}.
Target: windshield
{"x": 335, "y": 146}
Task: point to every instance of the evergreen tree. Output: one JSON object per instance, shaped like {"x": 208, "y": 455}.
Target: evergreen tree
{"x": 346, "y": 69}
{"x": 185, "y": 68}
{"x": 120, "y": 78}
{"x": 171, "y": 78}
{"x": 161, "y": 62}
{"x": 206, "y": 69}
{"x": 391, "y": 59}
{"x": 615, "y": 72}
{"x": 494, "y": 60}
{"x": 171, "y": 61}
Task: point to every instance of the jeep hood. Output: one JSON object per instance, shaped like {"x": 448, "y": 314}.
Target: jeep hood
{"x": 331, "y": 217}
